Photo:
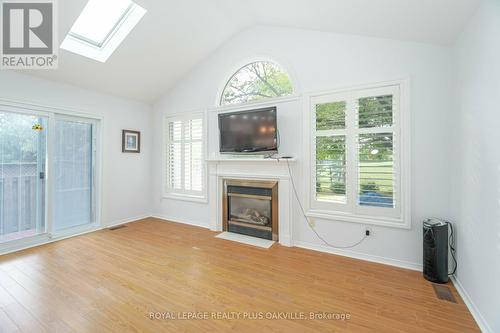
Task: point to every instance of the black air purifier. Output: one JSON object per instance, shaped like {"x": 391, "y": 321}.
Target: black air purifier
{"x": 435, "y": 250}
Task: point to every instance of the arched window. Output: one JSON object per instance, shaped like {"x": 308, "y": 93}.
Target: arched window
{"x": 256, "y": 81}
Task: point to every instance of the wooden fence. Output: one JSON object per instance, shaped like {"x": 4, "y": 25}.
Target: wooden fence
{"x": 18, "y": 197}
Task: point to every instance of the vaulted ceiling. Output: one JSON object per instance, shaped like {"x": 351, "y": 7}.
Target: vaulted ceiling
{"x": 174, "y": 36}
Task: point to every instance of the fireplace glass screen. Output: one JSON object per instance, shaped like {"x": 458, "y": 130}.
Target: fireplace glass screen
{"x": 250, "y": 210}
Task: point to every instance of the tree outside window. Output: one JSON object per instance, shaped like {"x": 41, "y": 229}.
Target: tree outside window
{"x": 256, "y": 81}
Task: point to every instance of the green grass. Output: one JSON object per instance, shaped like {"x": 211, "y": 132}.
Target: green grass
{"x": 371, "y": 173}
{"x": 379, "y": 174}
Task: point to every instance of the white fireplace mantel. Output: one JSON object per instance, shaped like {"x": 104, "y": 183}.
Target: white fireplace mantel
{"x": 252, "y": 169}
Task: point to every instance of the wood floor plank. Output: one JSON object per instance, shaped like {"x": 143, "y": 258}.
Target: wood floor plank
{"x": 7, "y": 325}
{"x": 24, "y": 319}
{"x": 5, "y": 298}
{"x": 111, "y": 281}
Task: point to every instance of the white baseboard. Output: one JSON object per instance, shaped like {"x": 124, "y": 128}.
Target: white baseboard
{"x": 361, "y": 256}
{"x": 481, "y": 322}
{"x": 125, "y": 221}
{"x": 175, "y": 220}
{"x": 320, "y": 248}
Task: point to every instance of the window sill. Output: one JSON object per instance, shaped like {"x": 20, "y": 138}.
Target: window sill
{"x": 361, "y": 219}
{"x": 185, "y": 197}
{"x": 255, "y": 104}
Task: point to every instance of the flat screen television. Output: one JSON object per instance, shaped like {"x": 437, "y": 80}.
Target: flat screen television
{"x": 253, "y": 131}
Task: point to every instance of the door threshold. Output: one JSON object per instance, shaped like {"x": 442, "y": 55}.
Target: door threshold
{"x": 42, "y": 239}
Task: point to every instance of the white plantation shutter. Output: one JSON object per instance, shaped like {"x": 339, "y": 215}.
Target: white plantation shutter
{"x": 193, "y": 154}
{"x": 330, "y": 148}
{"x": 355, "y": 153}
{"x": 376, "y": 174}
{"x": 185, "y": 155}
{"x": 376, "y": 162}
{"x": 174, "y": 155}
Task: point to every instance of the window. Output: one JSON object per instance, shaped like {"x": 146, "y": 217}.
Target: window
{"x": 185, "y": 164}
{"x": 256, "y": 81}
{"x": 101, "y": 28}
{"x": 357, "y": 155}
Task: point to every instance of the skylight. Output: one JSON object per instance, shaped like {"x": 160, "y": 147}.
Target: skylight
{"x": 101, "y": 28}
{"x": 99, "y": 19}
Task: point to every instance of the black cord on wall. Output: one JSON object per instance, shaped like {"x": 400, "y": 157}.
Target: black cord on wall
{"x": 452, "y": 248}
{"x": 307, "y": 219}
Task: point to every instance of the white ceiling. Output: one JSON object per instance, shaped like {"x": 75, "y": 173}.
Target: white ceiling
{"x": 176, "y": 35}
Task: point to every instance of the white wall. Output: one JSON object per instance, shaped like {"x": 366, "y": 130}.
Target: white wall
{"x": 476, "y": 172}
{"x": 322, "y": 61}
{"x": 126, "y": 178}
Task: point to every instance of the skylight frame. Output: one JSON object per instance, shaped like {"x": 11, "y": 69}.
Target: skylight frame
{"x": 86, "y": 47}
{"x": 116, "y": 26}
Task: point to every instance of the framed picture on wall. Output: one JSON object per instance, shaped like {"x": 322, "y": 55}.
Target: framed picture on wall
{"x": 131, "y": 141}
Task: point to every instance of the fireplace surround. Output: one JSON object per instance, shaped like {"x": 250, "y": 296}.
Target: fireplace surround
{"x": 221, "y": 168}
{"x": 250, "y": 207}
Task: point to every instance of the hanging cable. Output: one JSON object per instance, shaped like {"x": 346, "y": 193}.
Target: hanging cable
{"x": 452, "y": 248}
{"x": 307, "y": 219}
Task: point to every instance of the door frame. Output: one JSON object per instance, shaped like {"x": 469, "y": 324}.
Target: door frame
{"x": 52, "y": 112}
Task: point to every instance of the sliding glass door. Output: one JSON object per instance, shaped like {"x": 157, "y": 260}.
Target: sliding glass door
{"x": 48, "y": 178}
{"x": 73, "y": 163}
{"x": 23, "y": 148}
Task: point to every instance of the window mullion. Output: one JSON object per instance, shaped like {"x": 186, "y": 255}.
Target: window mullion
{"x": 329, "y": 133}
{"x": 190, "y": 162}
{"x": 351, "y": 147}
{"x": 313, "y": 153}
{"x": 183, "y": 147}
{"x": 191, "y": 156}
{"x": 375, "y": 130}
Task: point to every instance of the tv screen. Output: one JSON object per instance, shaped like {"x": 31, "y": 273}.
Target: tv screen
{"x": 248, "y": 131}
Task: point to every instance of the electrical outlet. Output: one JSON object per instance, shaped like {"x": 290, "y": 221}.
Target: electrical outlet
{"x": 312, "y": 222}
{"x": 368, "y": 231}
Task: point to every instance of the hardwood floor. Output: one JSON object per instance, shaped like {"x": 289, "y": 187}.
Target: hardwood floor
{"x": 111, "y": 281}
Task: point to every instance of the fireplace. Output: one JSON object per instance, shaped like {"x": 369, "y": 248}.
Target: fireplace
{"x": 250, "y": 207}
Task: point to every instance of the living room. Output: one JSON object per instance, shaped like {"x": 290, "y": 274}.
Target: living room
{"x": 312, "y": 166}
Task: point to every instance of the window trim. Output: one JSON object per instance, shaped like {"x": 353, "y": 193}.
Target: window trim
{"x": 176, "y": 194}
{"x": 402, "y": 129}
